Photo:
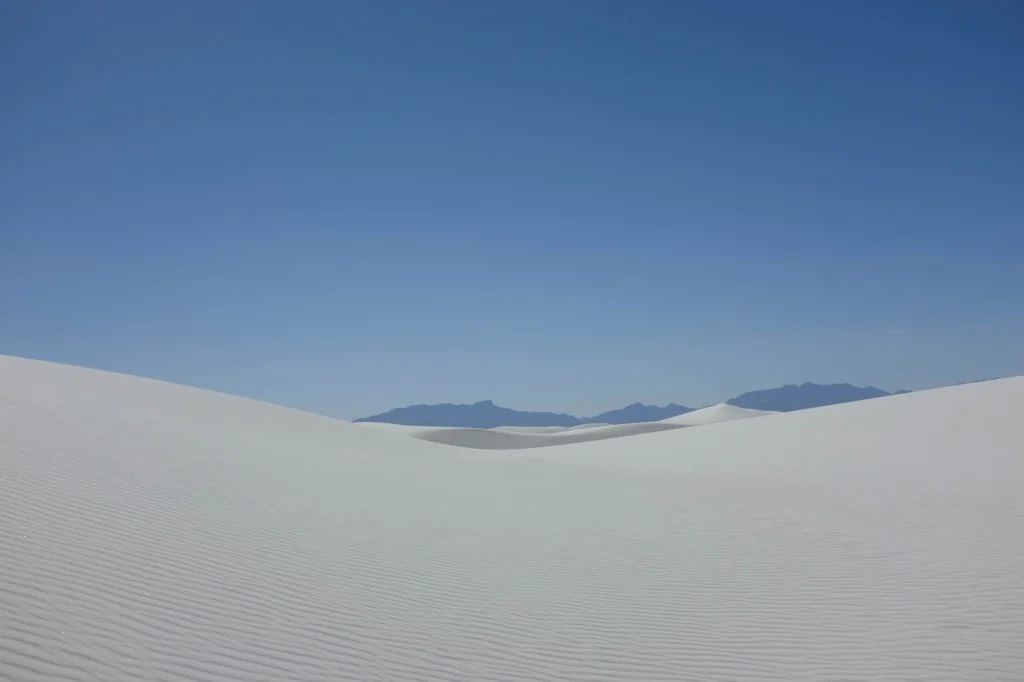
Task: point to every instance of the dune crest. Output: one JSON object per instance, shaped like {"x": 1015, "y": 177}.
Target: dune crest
{"x": 723, "y": 412}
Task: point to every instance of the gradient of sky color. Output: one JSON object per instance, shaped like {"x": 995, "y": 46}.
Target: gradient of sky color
{"x": 565, "y": 205}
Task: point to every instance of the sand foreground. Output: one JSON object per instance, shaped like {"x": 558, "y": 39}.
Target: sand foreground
{"x": 150, "y": 531}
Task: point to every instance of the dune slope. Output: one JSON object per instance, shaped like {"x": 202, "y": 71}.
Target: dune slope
{"x": 156, "y": 532}
{"x": 527, "y": 437}
{"x": 723, "y": 412}
{"x": 502, "y": 439}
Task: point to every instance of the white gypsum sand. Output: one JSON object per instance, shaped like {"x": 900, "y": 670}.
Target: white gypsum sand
{"x": 501, "y": 439}
{"x": 526, "y": 437}
{"x": 723, "y": 412}
{"x": 156, "y": 532}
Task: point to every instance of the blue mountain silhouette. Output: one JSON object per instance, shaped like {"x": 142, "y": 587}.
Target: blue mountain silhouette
{"x": 480, "y": 415}
{"x": 486, "y": 415}
{"x": 792, "y": 397}
{"x": 638, "y": 412}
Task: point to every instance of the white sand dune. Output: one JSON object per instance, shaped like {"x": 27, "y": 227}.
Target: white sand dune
{"x": 520, "y": 437}
{"x": 399, "y": 428}
{"x": 156, "y": 532}
{"x": 723, "y": 412}
{"x": 409, "y": 428}
{"x": 547, "y": 429}
{"x": 500, "y": 439}
{"x": 525, "y": 437}
{"x": 584, "y": 427}
{"x": 532, "y": 429}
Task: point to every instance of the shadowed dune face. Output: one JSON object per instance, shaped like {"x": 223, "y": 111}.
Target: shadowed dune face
{"x": 500, "y": 439}
{"x": 527, "y": 437}
{"x": 529, "y": 429}
{"x": 547, "y": 429}
{"x": 157, "y": 532}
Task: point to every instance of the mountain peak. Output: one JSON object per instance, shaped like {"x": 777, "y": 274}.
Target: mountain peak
{"x": 483, "y": 414}
{"x": 638, "y": 412}
{"x": 807, "y": 395}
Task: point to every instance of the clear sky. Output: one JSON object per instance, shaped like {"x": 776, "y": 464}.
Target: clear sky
{"x": 558, "y": 205}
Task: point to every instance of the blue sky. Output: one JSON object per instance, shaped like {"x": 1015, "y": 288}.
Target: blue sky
{"x": 559, "y": 205}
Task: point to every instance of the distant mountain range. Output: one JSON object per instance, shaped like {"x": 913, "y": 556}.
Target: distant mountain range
{"x": 486, "y": 415}
{"x": 480, "y": 415}
{"x": 636, "y": 413}
{"x": 791, "y": 397}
